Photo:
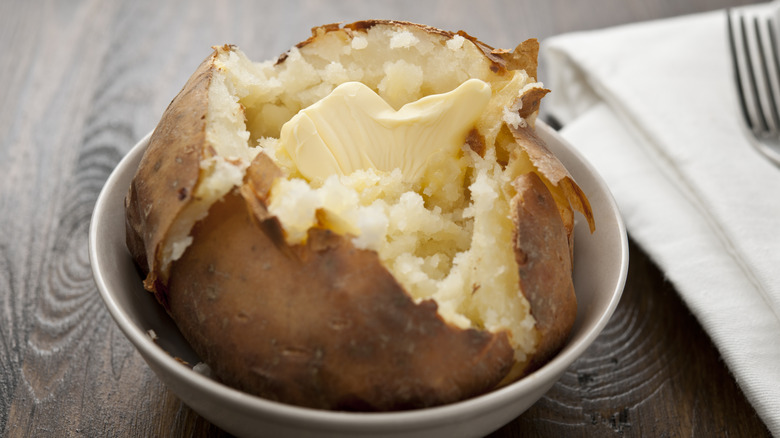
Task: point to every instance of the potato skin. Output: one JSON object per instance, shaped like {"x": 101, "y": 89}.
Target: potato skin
{"x": 167, "y": 175}
{"x": 321, "y": 325}
{"x": 543, "y": 261}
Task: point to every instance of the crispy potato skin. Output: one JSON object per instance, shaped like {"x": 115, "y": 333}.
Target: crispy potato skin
{"x": 547, "y": 164}
{"x": 544, "y": 264}
{"x": 322, "y": 325}
{"x": 167, "y": 174}
{"x": 523, "y": 57}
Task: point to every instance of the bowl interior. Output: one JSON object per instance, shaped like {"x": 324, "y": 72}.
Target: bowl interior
{"x": 600, "y": 267}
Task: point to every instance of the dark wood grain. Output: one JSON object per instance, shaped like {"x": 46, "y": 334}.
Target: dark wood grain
{"x": 83, "y": 80}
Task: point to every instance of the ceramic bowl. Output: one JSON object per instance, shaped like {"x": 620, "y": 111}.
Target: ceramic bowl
{"x": 601, "y": 263}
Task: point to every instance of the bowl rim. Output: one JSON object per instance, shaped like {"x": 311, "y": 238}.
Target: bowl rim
{"x": 332, "y": 419}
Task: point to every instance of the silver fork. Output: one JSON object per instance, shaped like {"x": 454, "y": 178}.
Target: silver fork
{"x": 754, "y": 48}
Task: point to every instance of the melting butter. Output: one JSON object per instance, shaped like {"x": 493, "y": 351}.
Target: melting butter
{"x": 353, "y": 128}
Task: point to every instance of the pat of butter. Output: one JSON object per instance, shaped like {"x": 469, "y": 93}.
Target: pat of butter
{"x": 353, "y": 128}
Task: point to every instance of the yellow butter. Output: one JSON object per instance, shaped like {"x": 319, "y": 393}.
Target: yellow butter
{"x": 353, "y": 128}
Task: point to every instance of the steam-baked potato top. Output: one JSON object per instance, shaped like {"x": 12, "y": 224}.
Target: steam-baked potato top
{"x": 432, "y": 230}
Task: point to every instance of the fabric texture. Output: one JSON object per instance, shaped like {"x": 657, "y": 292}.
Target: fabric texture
{"x": 653, "y": 107}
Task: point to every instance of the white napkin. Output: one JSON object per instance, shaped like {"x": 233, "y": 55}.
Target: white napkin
{"x": 653, "y": 107}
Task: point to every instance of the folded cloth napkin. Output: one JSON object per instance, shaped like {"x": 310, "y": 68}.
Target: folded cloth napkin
{"x": 654, "y": 108}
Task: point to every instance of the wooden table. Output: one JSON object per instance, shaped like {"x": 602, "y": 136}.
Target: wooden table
{"x": 84, "y": 80}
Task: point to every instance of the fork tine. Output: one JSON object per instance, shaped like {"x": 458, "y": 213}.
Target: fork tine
{"x": 760, "y": 55}
{"x": 772, "y": 71}
{"x": 735, "y": 59}
{"x": 742, "y": 69}
{"x": 753, "y": 60}
{"x": 754, "y": 46}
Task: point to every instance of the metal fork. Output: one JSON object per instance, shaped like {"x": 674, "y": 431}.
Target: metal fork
{"x": 754, "y": 49}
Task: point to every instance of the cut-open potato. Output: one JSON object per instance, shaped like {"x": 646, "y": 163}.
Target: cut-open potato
{"x": 368, "y": 222}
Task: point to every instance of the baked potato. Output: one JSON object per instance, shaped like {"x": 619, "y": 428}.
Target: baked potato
{"x": 368, "y": 222}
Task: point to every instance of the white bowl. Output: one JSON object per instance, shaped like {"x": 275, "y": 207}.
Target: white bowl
{"x": 601, "y": 264}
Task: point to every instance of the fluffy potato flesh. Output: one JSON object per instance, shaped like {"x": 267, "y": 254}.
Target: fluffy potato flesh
{"x": 369, "y": 289}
